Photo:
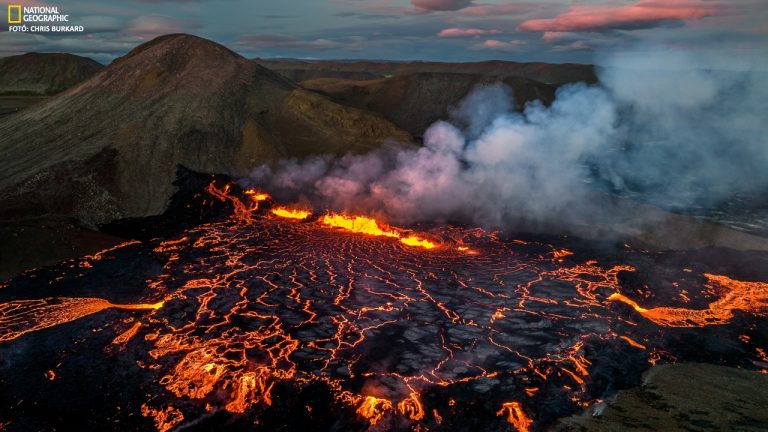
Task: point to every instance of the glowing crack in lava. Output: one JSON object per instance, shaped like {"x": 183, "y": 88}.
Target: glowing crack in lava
{"x": 265, "y": 312}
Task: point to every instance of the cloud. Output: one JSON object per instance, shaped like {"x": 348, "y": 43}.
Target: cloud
{"x": 553, "y": 37}
{"x": 168, "y": 1}
{"x": 485, "y": 10}
{"x": 440, "y": 5}
{"x": 151, "y": 26}
{"x": 101, "y": 24}
{"x": 466, "y": 32}
{"x": 642, "y": 14}
{"x": 497, "y": 45}
{"x": 286, "y": 42}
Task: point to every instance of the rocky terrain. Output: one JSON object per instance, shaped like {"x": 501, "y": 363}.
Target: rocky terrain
{"x": 415, "y": 101}
{"x": 109, "y": 147}
{"x": 554, "y": 74}
{"x": 43, "y": 74}
{"x": 682, "y": 397}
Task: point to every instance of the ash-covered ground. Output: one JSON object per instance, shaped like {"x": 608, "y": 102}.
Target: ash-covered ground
{"x": 252, "y": 321}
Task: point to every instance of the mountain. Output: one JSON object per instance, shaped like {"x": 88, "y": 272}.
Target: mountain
{"x": 554, "y": 74}
{"x": 44, "y": 74}
{"x": 415, "y": 101}
{"x": 109, "y": 147}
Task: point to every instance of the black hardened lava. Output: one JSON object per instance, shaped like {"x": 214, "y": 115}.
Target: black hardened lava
{"x": 223, "y": 316}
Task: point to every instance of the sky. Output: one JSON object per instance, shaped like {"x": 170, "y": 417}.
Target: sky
{"x": 436, "y": 30}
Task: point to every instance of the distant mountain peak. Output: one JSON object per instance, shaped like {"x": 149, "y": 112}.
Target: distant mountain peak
{"x": 44, "y": 73}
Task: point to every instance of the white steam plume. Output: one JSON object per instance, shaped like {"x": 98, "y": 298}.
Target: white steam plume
{"x": 662, "y": 123}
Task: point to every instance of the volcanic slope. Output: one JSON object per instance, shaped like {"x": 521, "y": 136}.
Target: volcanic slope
{"x": 43, "y": 74}
{"x": 415, "y": 101}
{"x": 555, "y": 74}
{"x": 109, "y": 147}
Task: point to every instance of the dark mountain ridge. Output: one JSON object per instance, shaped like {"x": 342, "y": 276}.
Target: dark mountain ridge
{"x": 109, "y": 147}
{"x": 44, "y": 74}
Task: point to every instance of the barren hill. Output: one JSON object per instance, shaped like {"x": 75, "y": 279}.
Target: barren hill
{"x": 554, "y": 74}
{"x": 109, "y": 147}
{"x": 44, "y": 73}
{"x": 415, "y": 101}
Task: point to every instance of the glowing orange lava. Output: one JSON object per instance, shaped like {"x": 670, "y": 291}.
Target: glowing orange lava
{"x": 165, "y": 419}
{"x": 127, "y": 335}
{"x": 411, "y": 407}
{"x": 739, "y": 295}
{"x": 516, "y": 416}
{"x": 290, "y": 213}
{"x": 24, "y": 316}
{"x": 358, "y": 224}
{"x": 373, "y": 409}
{"x": 265, "y": 305}
{"x": 370, "y": 226}
{"x": 256, "y": 195}
{"x": 416, "y": 241}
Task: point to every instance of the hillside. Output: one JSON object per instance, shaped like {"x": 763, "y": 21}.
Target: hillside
{"x": 415, "y": 101}
{"x": 554, "y": 74}
{"x": 43, "y": 74}
{"x": 109, "y": 148}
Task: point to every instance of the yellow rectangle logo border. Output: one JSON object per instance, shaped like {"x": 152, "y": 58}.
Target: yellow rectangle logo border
{"x": 10, "y": 8}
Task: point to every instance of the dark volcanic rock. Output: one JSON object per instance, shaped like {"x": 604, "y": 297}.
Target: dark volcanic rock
{"x": 415, "y": 101}
{"x": 44, "y": 73}
{"x": 40, "y": 242}
{"x": 683, "y": 397}
{"x": 109, "y": 147}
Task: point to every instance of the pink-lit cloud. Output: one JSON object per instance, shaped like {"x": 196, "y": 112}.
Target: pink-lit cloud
{"x": 485, "y": 10}
{"x": 466, "y": 32}
{"x": 551, "y": 37}
{"x": 440, "y": 5}
{"x": 642, "y": 14}
{"x": 499, "y": 45}
{"x": 492, "y": 43}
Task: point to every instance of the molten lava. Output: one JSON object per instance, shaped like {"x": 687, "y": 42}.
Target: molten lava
{"x": 20, "y": 317}
{"x": 415, "y": 241}
{"x": 373, "y": 409}
{"x": 749, "y": 297}
{"x": 370, "y": 226}
{"x": 266, "y": 318}
{"x": 358, "y": 224}
{"x": 516, "y": 416}
{"x": 290, "y": 213}
{"x": 255, "y": 195}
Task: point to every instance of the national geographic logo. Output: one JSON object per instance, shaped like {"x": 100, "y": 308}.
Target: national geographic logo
{"x": 40, "y": 19}
{"x": 11, "y": 10}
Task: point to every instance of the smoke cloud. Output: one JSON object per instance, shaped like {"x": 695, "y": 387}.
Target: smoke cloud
{"x": 663, "y": 124}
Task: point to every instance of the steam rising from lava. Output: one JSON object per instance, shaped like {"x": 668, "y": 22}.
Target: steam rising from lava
{"x": 659, "y": 123}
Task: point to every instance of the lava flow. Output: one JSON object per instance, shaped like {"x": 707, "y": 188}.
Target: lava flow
{"x": 745, "y": 296}
{"x": 273, "y": 317}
